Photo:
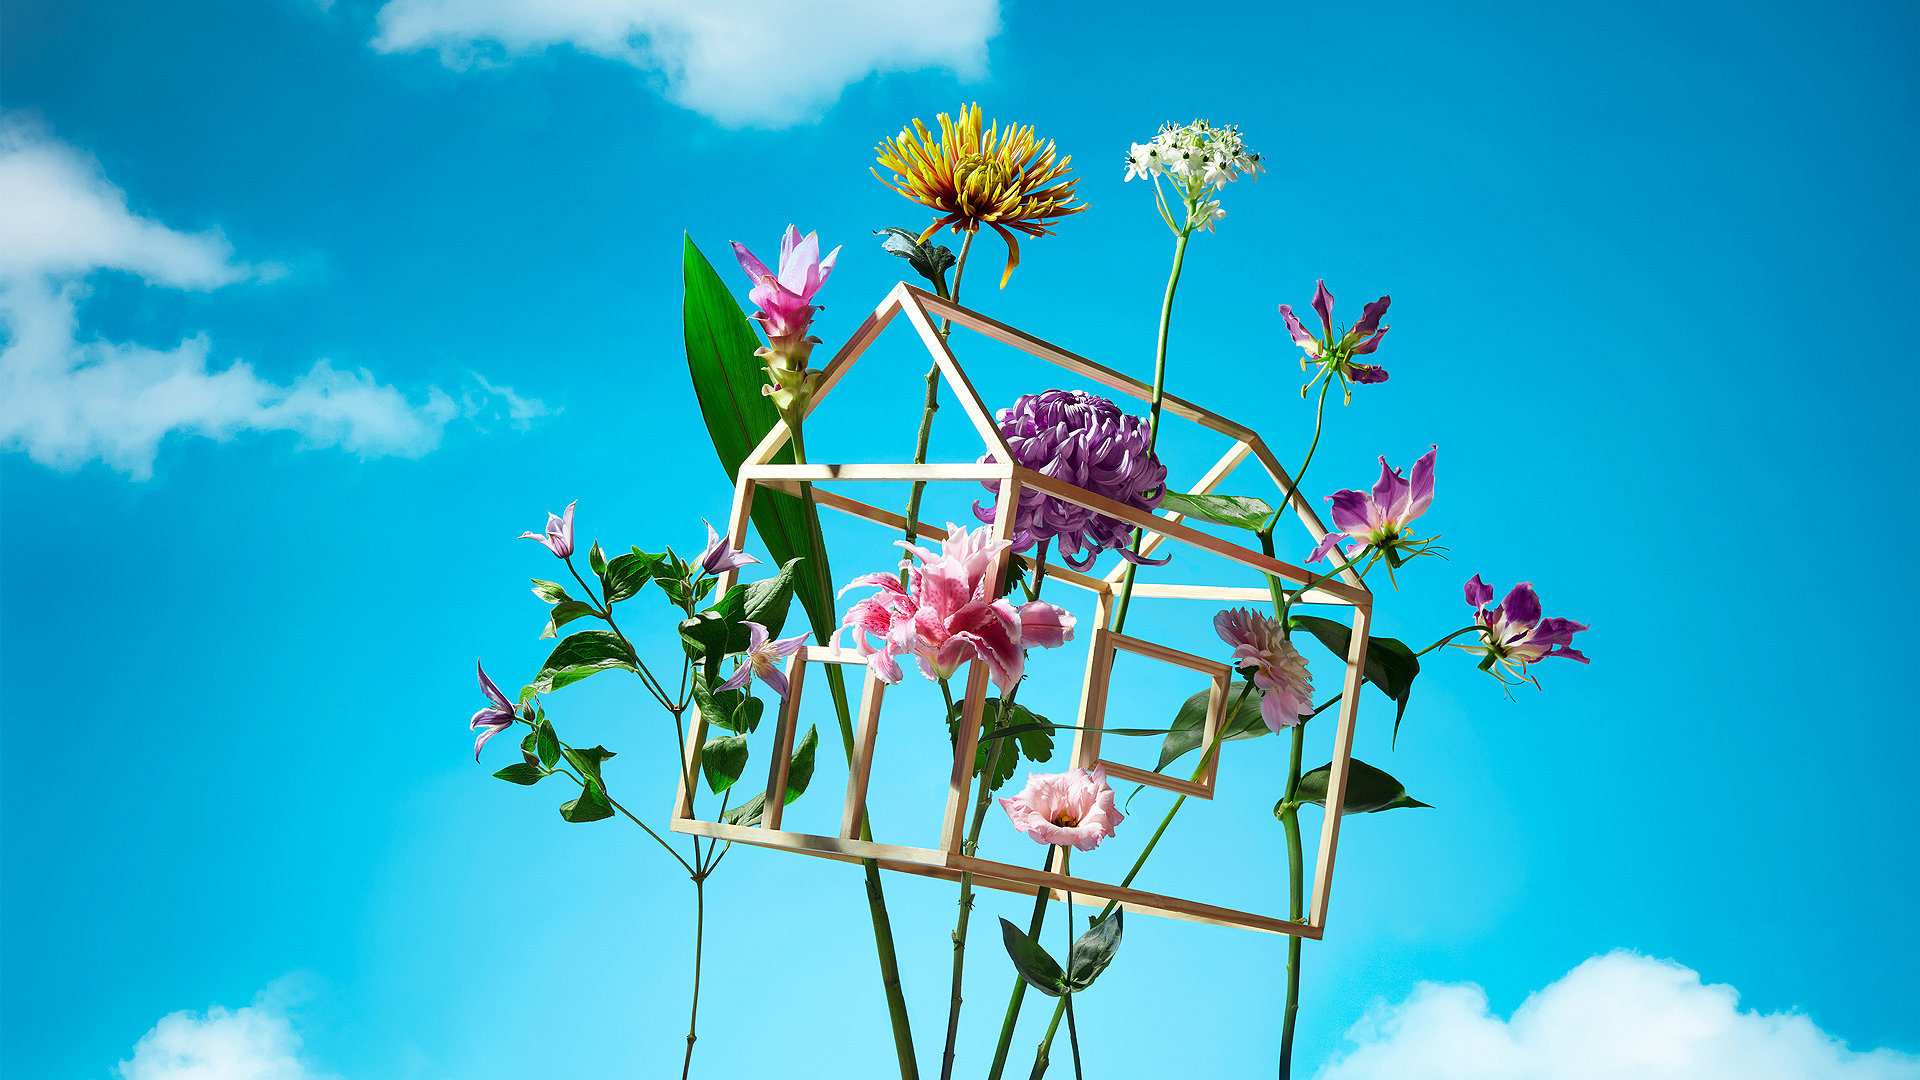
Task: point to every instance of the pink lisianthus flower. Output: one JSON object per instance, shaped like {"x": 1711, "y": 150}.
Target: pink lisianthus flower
{"x": 1261, "y": 648}
{"x": 762, "y": 659}
{"x": 944, "y": 616}
{"x": 1378, "y": 519}
{"x": 559, "y": 534}
{"x": 1513, "y": 635}
{"x": 1074, "y": 807}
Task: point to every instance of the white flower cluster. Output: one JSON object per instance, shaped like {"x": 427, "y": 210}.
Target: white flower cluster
{"x": 1200, "y": 158}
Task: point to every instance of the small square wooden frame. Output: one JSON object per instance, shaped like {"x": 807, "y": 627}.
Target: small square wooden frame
{"x": 1093, "y": 712}
{"x": 948, "y": 860}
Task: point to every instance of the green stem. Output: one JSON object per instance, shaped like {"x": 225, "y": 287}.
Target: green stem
{"x": 876, "y": 894}
{"x": 1289, "y": 818}
{"x": 699, "y": 935}
{"x": 1000, "y": 1049}
{"x": 932, "y": 406}
{"x": 1073, "y": 1033}
{"x": 1153, "y": 409}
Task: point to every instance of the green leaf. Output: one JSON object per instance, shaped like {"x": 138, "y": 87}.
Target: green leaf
{"x": 766, "y": 601}
{"x": 1031, "y": 732}
{"x": 1233, "y": 511}
{"x": 800, "y": 768}
{"x": 727, "y": 378}
{"x": 563, "y": 613}
{"x": 1094, "y": 951}
{"x": 1369, "y": 790}
{"x": 580, "y": 655}
{"x": 550, "y": 591}
{"x": 592, "y": 805}
{"x": 1036, "y": 967}
{"x": 1190, "y": 723}
{"x": 628, "y": 574}
{"x": 702, "y": 587}
{"x": 749, "y": 813}
{"x": 723, "y": 760}
{"x": 546, "y": 744}
{"x": 597, "y": 559}
{"x": 733, "y": 710}
{"x": 521, "y": 773}
{"x": 928, "y": 260}
{"x": 588, "y": 760}
{"x": 676, "y": 590}
{"x": 1391, "y": 666}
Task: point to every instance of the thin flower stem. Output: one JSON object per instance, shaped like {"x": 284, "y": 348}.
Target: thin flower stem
{"x": 932, "y": 406}
{"x": 1153, "y": 409}
{"x": 1450, "y": 637}
{"x": 699, "y": 937}
{"x": 1040, "y": 897}
{"x": 1289, "y": 819}
{"x": 606, "y": 613}
{"x": 1073, "y": 1033}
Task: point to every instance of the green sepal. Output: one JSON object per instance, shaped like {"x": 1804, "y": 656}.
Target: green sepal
{"x": 1233, "y": 511}
{"x": 1037, "y": 968}
{"x": 1190, "y": 723}
{"x": 723, "y": 760}
{"x": 588, "y": 652}
{"x": 1391, "y": 666}
{"x": 1369, "y": 790}
{"x": 522, "y": 773}
{"x": 1031, "y": 732}
{"x": 592, "y": 805}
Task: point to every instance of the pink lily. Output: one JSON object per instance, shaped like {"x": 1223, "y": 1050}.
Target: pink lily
{"x": 945, "y": 618}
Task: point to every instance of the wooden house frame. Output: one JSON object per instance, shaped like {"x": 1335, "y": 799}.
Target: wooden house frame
{"x": 947, "y": 859}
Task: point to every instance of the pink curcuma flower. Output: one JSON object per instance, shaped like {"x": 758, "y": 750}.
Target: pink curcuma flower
{"x": 1074, "y": 807}
{"x": 785, "y": 299}
{"x": 1378, "y": 519}
{"x": 719, "y": 557}
{"x": 762, "y": 659}
{"x": 1260, "y": 647}
{"x": 495, "y": 718}
{"x": 944, "y": 616}
{"x": 1512, "y": 633}
{"x": 559, "y": 534}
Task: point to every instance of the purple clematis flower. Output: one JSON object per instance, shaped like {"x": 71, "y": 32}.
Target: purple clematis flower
{"x": 1514, "y": 635}
{"x": 1379, "y": 518}
{"x": 720, "y": 556}
{"x": 763, "y": 658}
{"x": 494, "y": 719}
{"x": 559, "y": 535}
{"x": 1334, "y": 355}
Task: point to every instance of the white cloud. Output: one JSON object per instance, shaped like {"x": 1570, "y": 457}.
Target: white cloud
{"x": 255, "y": 1042}
{"x": 1613, "y": 1017}
{"x": 766, "y": 63}
{"x": 66, "y": 400}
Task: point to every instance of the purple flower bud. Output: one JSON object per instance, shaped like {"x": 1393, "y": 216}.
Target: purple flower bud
{"x": 494, "y": 719}
{"x": 559, "y": 535}
{"x": 1086, "y": 441}
{"x": 720, "y": 556}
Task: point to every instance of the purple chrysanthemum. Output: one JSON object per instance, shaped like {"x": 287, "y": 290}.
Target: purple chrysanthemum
{"x": 1086, "y": 441}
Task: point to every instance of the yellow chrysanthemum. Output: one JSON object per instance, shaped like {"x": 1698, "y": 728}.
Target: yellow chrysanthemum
{"x": 974, "y": 175}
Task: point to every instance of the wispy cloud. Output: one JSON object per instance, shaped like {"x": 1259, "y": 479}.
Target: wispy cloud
{"x": 763, "y": 63}
{"x": 254, "y": 1042}
{"x": 1613, "y": 1016}
{"x": 67, "y": 399}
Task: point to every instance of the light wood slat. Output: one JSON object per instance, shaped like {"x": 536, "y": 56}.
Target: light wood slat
{"x": 957, "y": 380}
{"x": 776, "y": 803}
{"x": 1337, "y": 776}
{"x": 1303, "y": 507}
{"x": 865, "y": 335}
{"x": 960, "y": 782}
{"x": 904, "y": 471}
{"x": 1221, "y": 469}
{"x": 1128, "y": 897}
{"x": 854, "y": 812}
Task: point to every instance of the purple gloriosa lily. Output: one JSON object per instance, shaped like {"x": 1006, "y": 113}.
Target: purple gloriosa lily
{"x": 1378, "y": 519}
{"x": 1331, "y": 355}
{"x": 1514, "y": 635}
{"x": 494, "y": 719}
{"x": 762, "y": 658}
{"x": 720, "y": 556}
{"x": 559, "y": 535}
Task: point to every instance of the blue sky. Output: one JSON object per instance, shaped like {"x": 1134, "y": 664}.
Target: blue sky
{"x": 1654, "y": 272}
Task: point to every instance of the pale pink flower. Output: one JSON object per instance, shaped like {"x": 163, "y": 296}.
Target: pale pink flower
{"x": 785, "y": 299}
{"x": 762, "y": 659}
{"x": 719, "y": 557}
{"x": 559, "y": 535}
{"x": 1279, "y": 670}
{"x": 1074, "y": 807}
{"x": 945, "y": 618}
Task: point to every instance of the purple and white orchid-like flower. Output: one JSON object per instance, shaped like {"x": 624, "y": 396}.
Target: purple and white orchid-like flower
{"x": 493, "y": 719}
{"x": 1378, "y": 519}
{"x": 1514, "y": 635}
{"x": 559, "y": 535}
{"x": 1334, "y": 356}
{"x": 762, "y": 659}
{"x": 720, "y": 556}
